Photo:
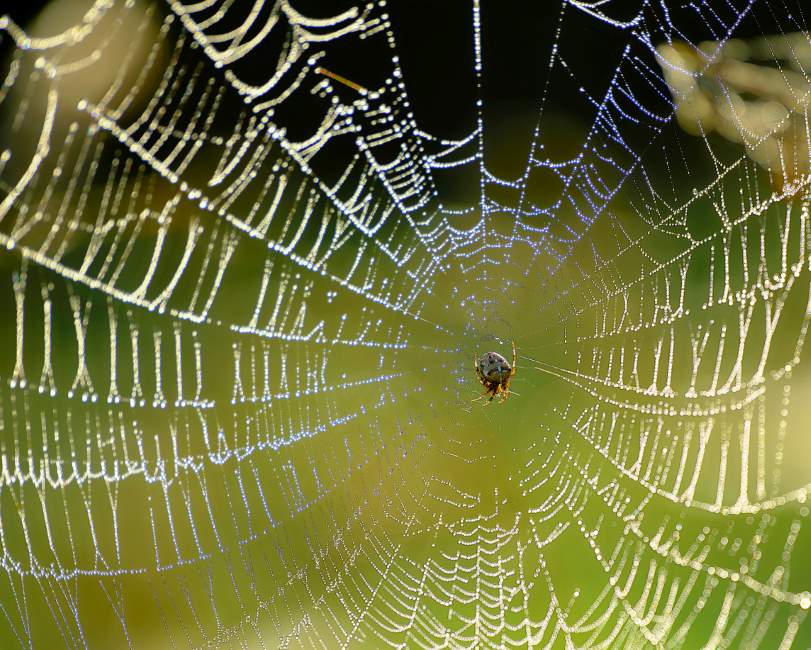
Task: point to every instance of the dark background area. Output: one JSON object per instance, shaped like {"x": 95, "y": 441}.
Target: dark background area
{"x": 519, "y": 89}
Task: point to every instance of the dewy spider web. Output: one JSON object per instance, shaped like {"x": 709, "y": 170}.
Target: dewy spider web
{"x": 241, "y": 291}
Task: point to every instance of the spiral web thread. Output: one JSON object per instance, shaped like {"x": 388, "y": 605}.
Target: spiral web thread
{"x": 227, "y": 282}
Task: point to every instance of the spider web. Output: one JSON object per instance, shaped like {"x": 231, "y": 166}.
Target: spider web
{"x": 243, "y": 281}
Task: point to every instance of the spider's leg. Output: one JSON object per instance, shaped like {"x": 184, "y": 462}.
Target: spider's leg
{"x": 512, "y": 371}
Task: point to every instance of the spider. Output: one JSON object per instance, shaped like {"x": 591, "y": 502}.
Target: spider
{"x": 495, "y": 374}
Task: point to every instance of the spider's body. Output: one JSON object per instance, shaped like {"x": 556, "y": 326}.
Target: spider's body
{"x": 495, "y": 374}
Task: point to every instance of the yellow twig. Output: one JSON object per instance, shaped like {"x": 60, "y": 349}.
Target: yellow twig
{"x": 340, "y": 79}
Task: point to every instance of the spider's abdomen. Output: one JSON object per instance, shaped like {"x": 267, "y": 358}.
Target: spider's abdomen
{"x": 495, "y": 367}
